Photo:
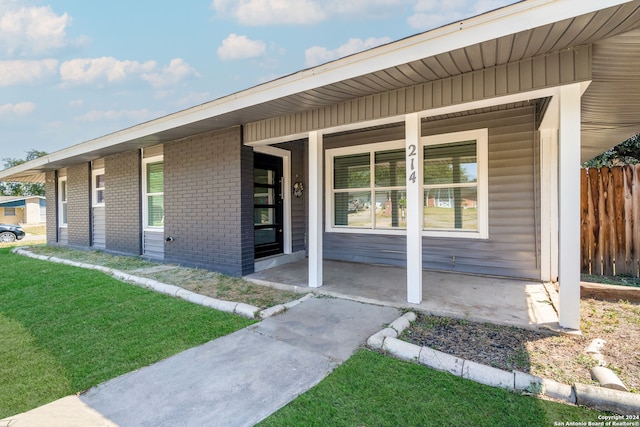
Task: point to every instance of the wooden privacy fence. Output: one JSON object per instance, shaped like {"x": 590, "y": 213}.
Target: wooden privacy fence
{"x": 610, "y": 220}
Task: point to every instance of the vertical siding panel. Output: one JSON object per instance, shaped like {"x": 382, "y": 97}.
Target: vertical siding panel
{"x": 490, "y": 82}
{"x": 437, "y": 93}
{"x": 478, "y": 85}
{"x": 526, "y": 75}
{"x": 567, "y": 69}
{"x": 456, "y": 89}
{"x": 553, "y": 69}
{"x": 513, "y": 78}
{"x": 427, "y": 96}
{"x": 539, "y": 72}
{"x": 392, "y": 108}
{"x": 447, "y": 91}
{"x": 582, "y": 60}
{"x": 340, "y": 113}
{"x": 501, "y": 80}
{"x": 382, "y": 109}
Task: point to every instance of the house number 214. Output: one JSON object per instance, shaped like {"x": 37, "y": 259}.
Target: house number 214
{"x": 411, "y": 157}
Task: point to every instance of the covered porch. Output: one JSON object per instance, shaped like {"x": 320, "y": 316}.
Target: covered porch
{"x": 498, "y": 300}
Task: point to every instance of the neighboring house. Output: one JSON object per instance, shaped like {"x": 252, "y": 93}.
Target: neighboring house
{"x": 496, "y": 111}
{"x": 30, "y": 210}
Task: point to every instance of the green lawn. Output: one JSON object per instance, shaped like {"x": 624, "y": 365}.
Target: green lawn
{"x": 375, "y": 390}
{"x": 64, "y": 329}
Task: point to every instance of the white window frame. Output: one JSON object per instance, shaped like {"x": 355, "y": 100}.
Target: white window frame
{"x": 7, "y": 212}
{"x": 94, "y": 190}
{"x": 481, "y": 136}
{"x": 329, "y": 200}
{"x": 62, "y": 203}
{"x": 145, "y": 195}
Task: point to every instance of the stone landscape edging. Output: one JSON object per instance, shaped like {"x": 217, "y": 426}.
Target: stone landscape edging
{"x": 239, "y": 308}
{"x": 602, "y": 399}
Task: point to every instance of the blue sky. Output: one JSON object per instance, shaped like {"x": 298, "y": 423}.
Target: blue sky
{"x": 74, "y": 70}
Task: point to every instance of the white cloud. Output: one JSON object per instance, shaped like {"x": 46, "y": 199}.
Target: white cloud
{"x": 240, "y": 47}
{"x": 20, "y": 72}
{"x": 302, "y": 12}
{"x": 32, "y": 30}
{"x": 176, "y": 71}
{"x": 20, "y": 109}
{"x": 90, "y": 70}
{"x": 194, "y": 98}
{"x": 318, "y": 55}
{"x": 76, "y": 103}
{"x": 434, "y": 13}
{"x": 271, "y": 12}
{"x": 110, "y": 115}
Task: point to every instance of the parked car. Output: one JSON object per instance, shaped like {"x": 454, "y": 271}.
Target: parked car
{"x": 10, "y": 233}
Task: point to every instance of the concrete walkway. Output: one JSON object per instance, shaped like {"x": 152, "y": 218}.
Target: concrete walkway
{"x": 236, "y": 380}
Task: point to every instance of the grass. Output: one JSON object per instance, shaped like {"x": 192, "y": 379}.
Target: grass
{"x": 374, "y": 390}
{"x": 620, "y": 280}
{"x": 65, "y": 329}
{"x": 201, "y": 281}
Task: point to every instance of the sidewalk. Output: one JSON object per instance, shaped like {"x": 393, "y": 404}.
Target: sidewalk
{"x": 236, "y": 380}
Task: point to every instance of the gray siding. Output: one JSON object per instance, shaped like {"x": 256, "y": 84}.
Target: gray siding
{"x": 63, "y": 236}
{"x": 512, "y": 248}
{"x": 209, "y": 202}
{"x": 562, "y": 67}
{"x": 154, "y": 245}
{"x": 298, "y": 208}
{"x": 99, "y": 224}
{"x": 123, "y": 208}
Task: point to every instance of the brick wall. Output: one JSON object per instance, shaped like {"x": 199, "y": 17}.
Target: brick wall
{"x": 51, "y": 193}
{"x": 78, "y": 205}
{"x": 208, "y": 179}
{"x": 122, "y": 203}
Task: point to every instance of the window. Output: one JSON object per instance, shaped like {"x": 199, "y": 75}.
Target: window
{"x": 62, "y": 201}
{"x": 154, "y": 194}
{"x": 455, "y": 184}
{"x": 368, "y": 190}
{"x": 98, "y": 187}
{"x": 367, "y": 186}
{"x": 9, "y": 211}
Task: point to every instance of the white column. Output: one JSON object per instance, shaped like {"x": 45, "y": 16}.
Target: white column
{"x": 414, "y": 209}
{"x": 569, "y": 206}
{"x": 314, "y": 193}
{"x": 549, "y": 204}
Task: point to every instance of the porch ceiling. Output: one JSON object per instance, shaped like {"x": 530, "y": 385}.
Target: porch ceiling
{"x": 609, "y": 105}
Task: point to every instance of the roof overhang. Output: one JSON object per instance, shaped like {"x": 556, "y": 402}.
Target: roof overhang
{"x": 525, "y": 29}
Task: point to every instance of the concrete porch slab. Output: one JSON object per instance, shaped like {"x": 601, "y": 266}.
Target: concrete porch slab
{"x": 504, "y": 301}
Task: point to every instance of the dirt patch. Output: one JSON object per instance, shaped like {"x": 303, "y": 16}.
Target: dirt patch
{"x": 201, "y": 281}
{"x": 556, "y": 357}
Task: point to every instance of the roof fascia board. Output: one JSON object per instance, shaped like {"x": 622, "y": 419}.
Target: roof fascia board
{"x": 488, "y": 26}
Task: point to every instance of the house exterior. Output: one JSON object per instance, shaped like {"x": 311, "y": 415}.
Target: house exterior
{"x": 457, "y": 149}
{"x": 31, "y": 210}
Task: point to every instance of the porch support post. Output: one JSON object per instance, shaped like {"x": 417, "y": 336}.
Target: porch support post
{"x": 414, "y": 209}
{"x": 315, "y": 209}
{"x": 569, "y": 206}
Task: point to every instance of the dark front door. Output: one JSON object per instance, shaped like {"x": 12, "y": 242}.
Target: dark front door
{"x": 267, "y": 205}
